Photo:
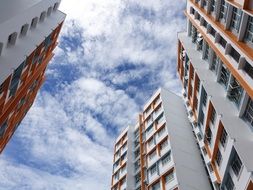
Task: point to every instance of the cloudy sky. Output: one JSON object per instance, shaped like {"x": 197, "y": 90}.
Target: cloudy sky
{"x": 112, "y": 55}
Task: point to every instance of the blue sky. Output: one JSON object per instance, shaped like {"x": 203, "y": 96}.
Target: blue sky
{"x": 112, "y": 55}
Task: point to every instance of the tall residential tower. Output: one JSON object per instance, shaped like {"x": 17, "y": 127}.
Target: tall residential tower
{"x": 160, "y": 151}
{"x": 28, "y": 36}
{"x": 215, "y": 65}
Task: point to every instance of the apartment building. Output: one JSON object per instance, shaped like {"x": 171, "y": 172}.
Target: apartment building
{"x": 215, "y": 65}
{"x": 28, "y": 36}
{"x": 160, "y": 152}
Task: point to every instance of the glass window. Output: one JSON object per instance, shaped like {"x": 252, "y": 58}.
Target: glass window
{"x": 229, "y": 184}
{"x": 206, "y": 53}
{"x": 169, "y": 177}
{"x": 248, "y": 69}
{"x": 222, "y": 42}
{"x": 194, "y": 34}
{"x": 212, "y": 8}
{"x": 215, "y": 63}
{"x": 164, "y": 144}
{"x": 156, "y": 186}
{"x": 234, "y": 54}
{"x": 161, "y": 131}
{"x": 3, "y": 128}
{"x": 166, "y": 159}
{"x": 213, "y": 116}
{"x": 223, "y": 138}
{"x": 236, "y": 19}
{"x": 204, "y": 4}
{"x": 236, "y": 164}
{"x": 224, "y": 76}
{"x": 204, "y": 100}
{"x": 249, "y": 113}
{"x": 235, "y": 92}
{"x": 152, "y": 155}
{"x": 153, "y": 169}
{"x": 15, "y": 80}
{"x": 209, "y": 135}
{"x": 223, "y": 10}
{"x": 249, "y": 31}
{"x": 137, "y": 178}
{"x": 218, "y": 157}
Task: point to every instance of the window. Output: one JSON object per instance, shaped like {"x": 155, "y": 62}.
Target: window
{"x": 24, "y": 29}
{"x": 169, "y": 177}
{"x": 152, "y": 155}
{"x": 12, "y": 38}
{"x": 236, "y": 164}
{"x": 248, "y": 69}
{"x": 209, "y": 135}
{"x": 222, "y": 42}
{"x": 160, "y": 119}
{"x": 212, "y": 8}
{"x": 224, "y": 76}
{"x": 192, "y": 10}
{"x": 137, "y": 153}
{"x": 234, "y": 54}
{"x": 194, "y": 34}
{"x": 199, "y": 136}
{"x": 56, "y": 5}
{"x": 235, "y": 92}
{"x": 166, "y": 159}
{"x": 137, "y": 164}
{"x": 229, "y": 184}
{"x": 213, "y": 116}
{"x": 198, "y": 85}
{"x": 34, "y": 22}
{"x": 249, "y": 31}
{"x": 205, "y": 23}
{"x": 248, "y": 115}
{"x": 151, "y": 142}
{"x": 1, "y": 89}
{"x": 204, "y": 150}
{"x": 49, "y": 11}
{"x": 43, "y": 16}
{"x": 223, "y": 10}
{"x": 210, "y": 167}
{"x": 161, "y": 131}
{"x": 204, "y": 4}
{"x": 156, "y": 186}
{"x": 164, "y": 144}
{"x": 204, "y": 100}
{"x": 236, "y": 19}
{"x": 137, "y": 178}
{"x": 214, "y": 63}
{"x": 15, "y": 80}
{"x": 153, "y": 170}
{"x": 3, "y": 128}
{"x": 149, "y": 129}
{"x": 212, "y": 31}
{"x": 223, "y": 137}
{"x": 218, "y": 157}
{"x": 206, "y": 52}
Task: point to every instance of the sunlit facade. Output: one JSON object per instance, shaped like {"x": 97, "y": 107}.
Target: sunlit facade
{"x": 215, "y": 65}
{"x": 160, "y": 151}
{"x": 28, "y": 36}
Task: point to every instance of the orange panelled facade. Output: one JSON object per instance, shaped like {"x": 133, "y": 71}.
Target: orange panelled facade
{"x": 14, "y": 104}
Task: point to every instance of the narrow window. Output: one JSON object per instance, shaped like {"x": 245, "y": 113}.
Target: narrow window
{"x": 24, "y": 29}
{"x": 236, "y": 19}
{"x": 34, "y": 22}
{"x": 12, "y": 38}
{"x": 249, "y": 31}
{"x": 248, "y": 115}
{"x": 49, "y": 11}
{"x": 236, "y": 164}
{"x": 43, "y": 16}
